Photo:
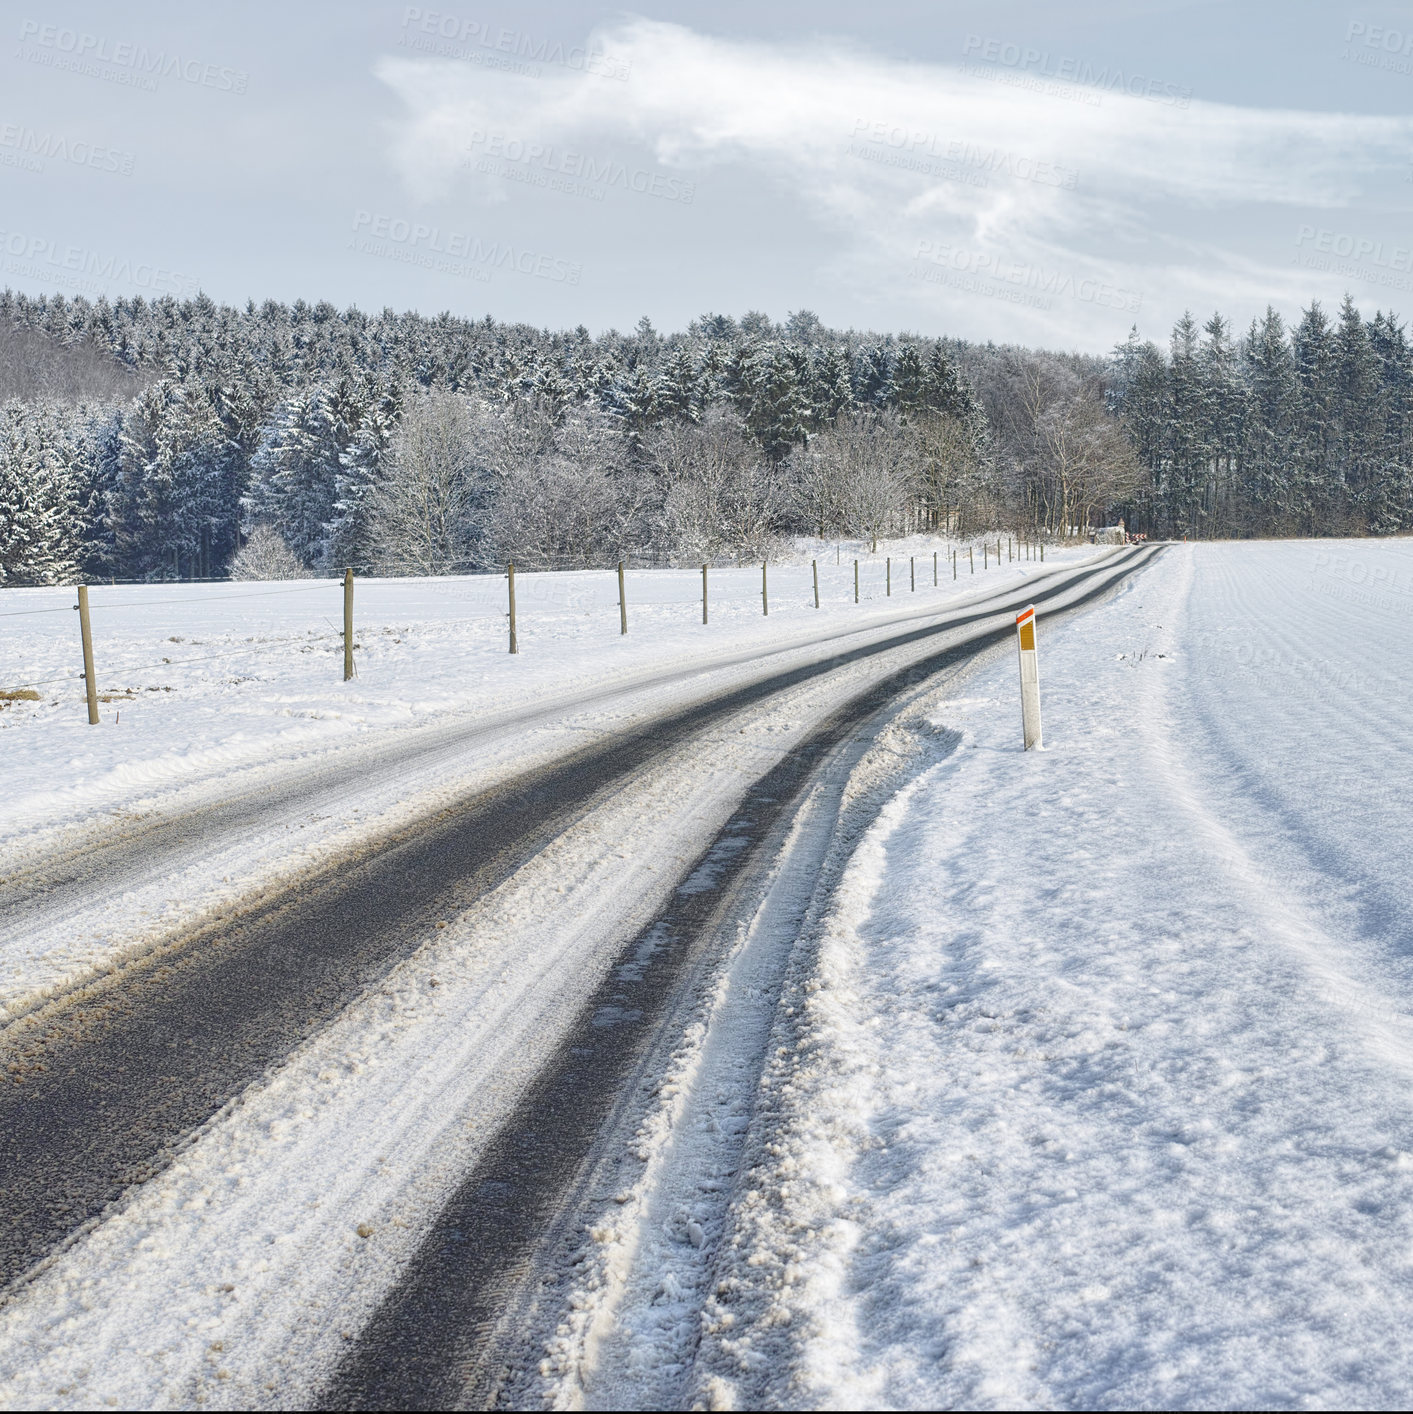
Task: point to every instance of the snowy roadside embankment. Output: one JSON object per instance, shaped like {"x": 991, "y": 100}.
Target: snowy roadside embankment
{"x": 1100, "y": 1089}
{"x": 201, "y": 680}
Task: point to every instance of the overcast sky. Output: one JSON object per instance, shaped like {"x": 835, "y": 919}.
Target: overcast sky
{"x": 1049, "y": 173}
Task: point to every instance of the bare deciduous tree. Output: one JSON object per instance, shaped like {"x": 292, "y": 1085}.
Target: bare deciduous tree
{"x": 266, "y": 556}
{"x": 1086, "y": 466}
{"x": 566, "y": 492}
{"x": 422, "y": 514}
{"x": 857, "y": 476}
{"x": 722, "y": 496}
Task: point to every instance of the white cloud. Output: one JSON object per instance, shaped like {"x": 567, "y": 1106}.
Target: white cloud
{"x": 977, "y": 193}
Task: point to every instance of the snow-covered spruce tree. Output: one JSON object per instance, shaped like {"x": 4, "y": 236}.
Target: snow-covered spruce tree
{"x": 295, "y": 472}
{"x": 172, "y": 502}
{"x": 41, "y": 514}
{"x": 1314, "y": 491}
{"x": 765, "y": 391}
{"x": 1388, "y": 501}
{"x": 1223, "y": 403}
{"x": 1272, "y": 429}
{"x": 361, "y": 469}
{"x": 1138, "y": 396}
{"x": 1359, "y": 451}
{"x": 1187, "y": 455}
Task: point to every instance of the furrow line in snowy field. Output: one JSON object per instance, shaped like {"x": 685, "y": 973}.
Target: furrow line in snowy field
{"x": 515, "y": 967}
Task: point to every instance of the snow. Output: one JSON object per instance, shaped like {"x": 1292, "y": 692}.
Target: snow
{"x": 236, "y": 1276}
{"x": 1090, "y": 1081}
{"x": 1098, "y": 1092}
{"x": 254, "y": 694}
{"x": 204, "y": 679}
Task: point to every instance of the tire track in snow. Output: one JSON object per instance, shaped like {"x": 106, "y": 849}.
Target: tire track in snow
{"x": 453, "y": 1331}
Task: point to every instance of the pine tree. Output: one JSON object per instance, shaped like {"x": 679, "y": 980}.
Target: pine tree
{"x": 41, "y": 513}
{"x": 1360, "y": 419}
{"x": 1139, "y": 397}
{"x": 1187, "y": 452}
{"x": 910, "y": 380}
{"x": 1272, "y": 429}
{"x": 1224, "y": 409}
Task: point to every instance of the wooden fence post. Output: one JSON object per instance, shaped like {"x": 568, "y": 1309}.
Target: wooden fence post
{"x": 704, "y": 594}
{"x": 86, "y": 635}
{"x": 347, "y": 624}
{"x": 622, "y": 602}
{"x": 510, "y": 576}
{"x": 814, "y": 565}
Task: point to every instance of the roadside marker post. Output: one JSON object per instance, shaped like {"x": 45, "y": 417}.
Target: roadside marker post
{"x": 1029, "y": 677}
{"x": 764, "y": 591}
{"x": 704, "y": 594}
{"x": 912, "y": 574}
{"x": 856, "y": 581}
{"x": 814, "y": 566}
{"x": 510, "y": 577}
{"x": 888, "y": 573}
{"x": 347, "y": 624}
{"x": 86, "y": 635}
{"x": 934, "y": 569}
{"x": 622, "y": 602}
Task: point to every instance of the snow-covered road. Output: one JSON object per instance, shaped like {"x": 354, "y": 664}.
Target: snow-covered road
{"x": 1079, "y": 1078}
{"x": 288, "y": 1215}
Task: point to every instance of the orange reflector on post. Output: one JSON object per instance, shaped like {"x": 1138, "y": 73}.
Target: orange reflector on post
{"x": 1029, "y": 676}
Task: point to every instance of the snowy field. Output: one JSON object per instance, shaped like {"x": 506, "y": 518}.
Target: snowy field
{"x": 198, "y": 680}
{"x": 1100, "y": 1089}
{"x": 1092, "y": 1080}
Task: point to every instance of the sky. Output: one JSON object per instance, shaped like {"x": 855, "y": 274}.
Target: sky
{"x": 1052, "y": 174}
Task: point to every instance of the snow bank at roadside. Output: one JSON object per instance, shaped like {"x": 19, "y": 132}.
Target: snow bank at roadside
{"x": 199, "y": 680}
{"x": 1098, "y": 1094}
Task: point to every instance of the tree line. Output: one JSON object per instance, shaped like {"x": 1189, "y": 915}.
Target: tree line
{"x": 157, "y": 439}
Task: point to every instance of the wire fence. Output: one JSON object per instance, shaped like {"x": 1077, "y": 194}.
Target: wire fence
{"x": 396, "y": 607}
